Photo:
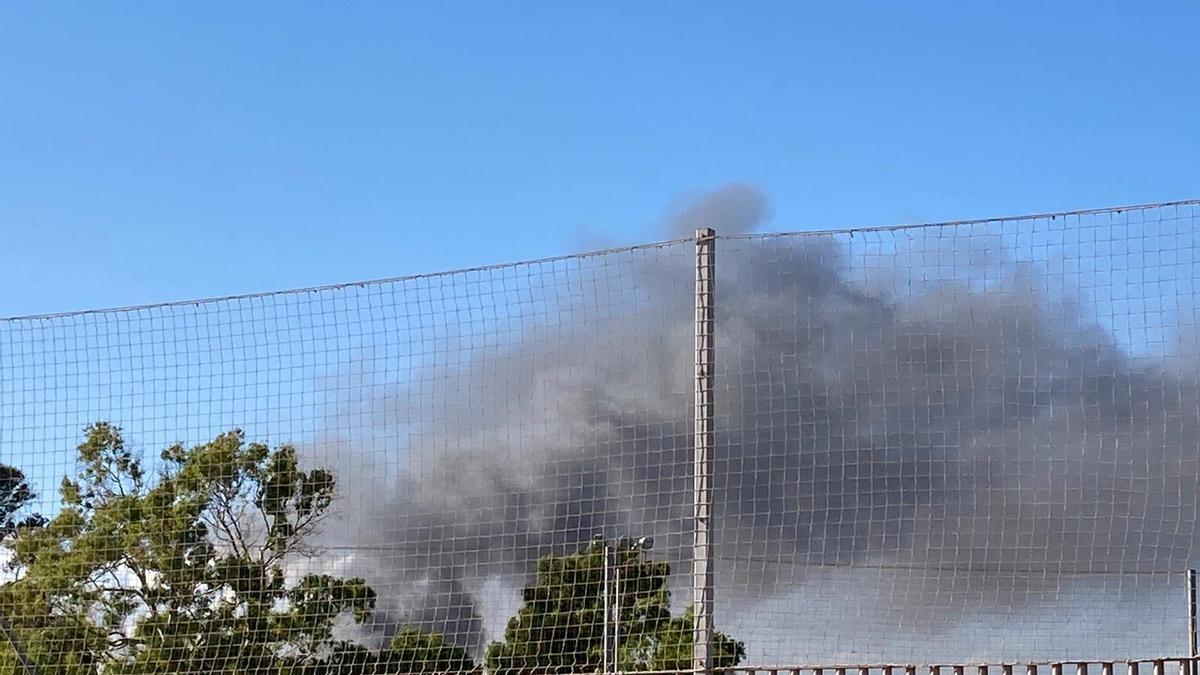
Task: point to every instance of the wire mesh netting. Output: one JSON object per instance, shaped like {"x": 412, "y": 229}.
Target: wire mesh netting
{"x": 963, "y": 442}
{"x": 969, "y": 442}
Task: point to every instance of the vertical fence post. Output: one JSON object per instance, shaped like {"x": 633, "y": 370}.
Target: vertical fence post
{"x": 704, "y": 440}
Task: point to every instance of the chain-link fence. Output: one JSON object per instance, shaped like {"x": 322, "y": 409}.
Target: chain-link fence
{"x": 973, "y": 441}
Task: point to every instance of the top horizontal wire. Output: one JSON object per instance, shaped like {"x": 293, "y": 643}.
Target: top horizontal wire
{"x": 590, "y": 254}
{"x": 974, "y": 221}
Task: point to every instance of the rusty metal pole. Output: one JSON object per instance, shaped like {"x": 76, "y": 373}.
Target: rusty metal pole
{"x": 704, "y": 441}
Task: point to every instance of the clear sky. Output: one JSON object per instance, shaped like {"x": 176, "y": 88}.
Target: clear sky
{"x": 161, "y": 151}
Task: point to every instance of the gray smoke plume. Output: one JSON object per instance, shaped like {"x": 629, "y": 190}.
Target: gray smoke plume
{"x": 942, "y": 442}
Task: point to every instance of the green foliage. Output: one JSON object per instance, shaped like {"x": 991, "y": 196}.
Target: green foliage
{"x": 409, "y": 652}
{"x": 669, "y": 647}
{"x": 414, "y": 651}
{"x": 180, "y": 574}
{"x": 187, "y": 571}
{"x": 560, "y": 626}
{"x": 15, "y": 496}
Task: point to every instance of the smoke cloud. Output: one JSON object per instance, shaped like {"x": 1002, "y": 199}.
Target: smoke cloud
{"x": 912, "y": 440}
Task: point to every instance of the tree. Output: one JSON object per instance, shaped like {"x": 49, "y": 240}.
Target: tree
{"x": 200, "y": 569}
{"x": 560, "y": 625}
{"x": 185, "y": 573}
{"x": 15, "y": 497}
{"x": 409, "y": 652}
{"x": 669, "y": 648}
{"x": 414, "y": 651}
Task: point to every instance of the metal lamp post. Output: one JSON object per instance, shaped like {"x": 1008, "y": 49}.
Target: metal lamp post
{"x": 599, "y": 539}
{"x": 642, "y": 544}
{"x": 612, "y": 605}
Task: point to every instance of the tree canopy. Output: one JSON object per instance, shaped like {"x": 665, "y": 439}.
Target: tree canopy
{"x": 560, "y": 625}
{"x": 15, "y": 498}
{"x": 198, "y": 567}
{"x": 186, "y": 572}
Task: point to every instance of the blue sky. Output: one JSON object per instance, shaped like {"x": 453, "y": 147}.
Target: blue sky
{"x": 161, "y": 151}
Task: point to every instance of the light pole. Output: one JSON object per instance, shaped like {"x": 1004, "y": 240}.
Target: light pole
{"x": 612, "y": 609}
{"x": 599, "y": 539}
{"x": 642, "y": 544}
